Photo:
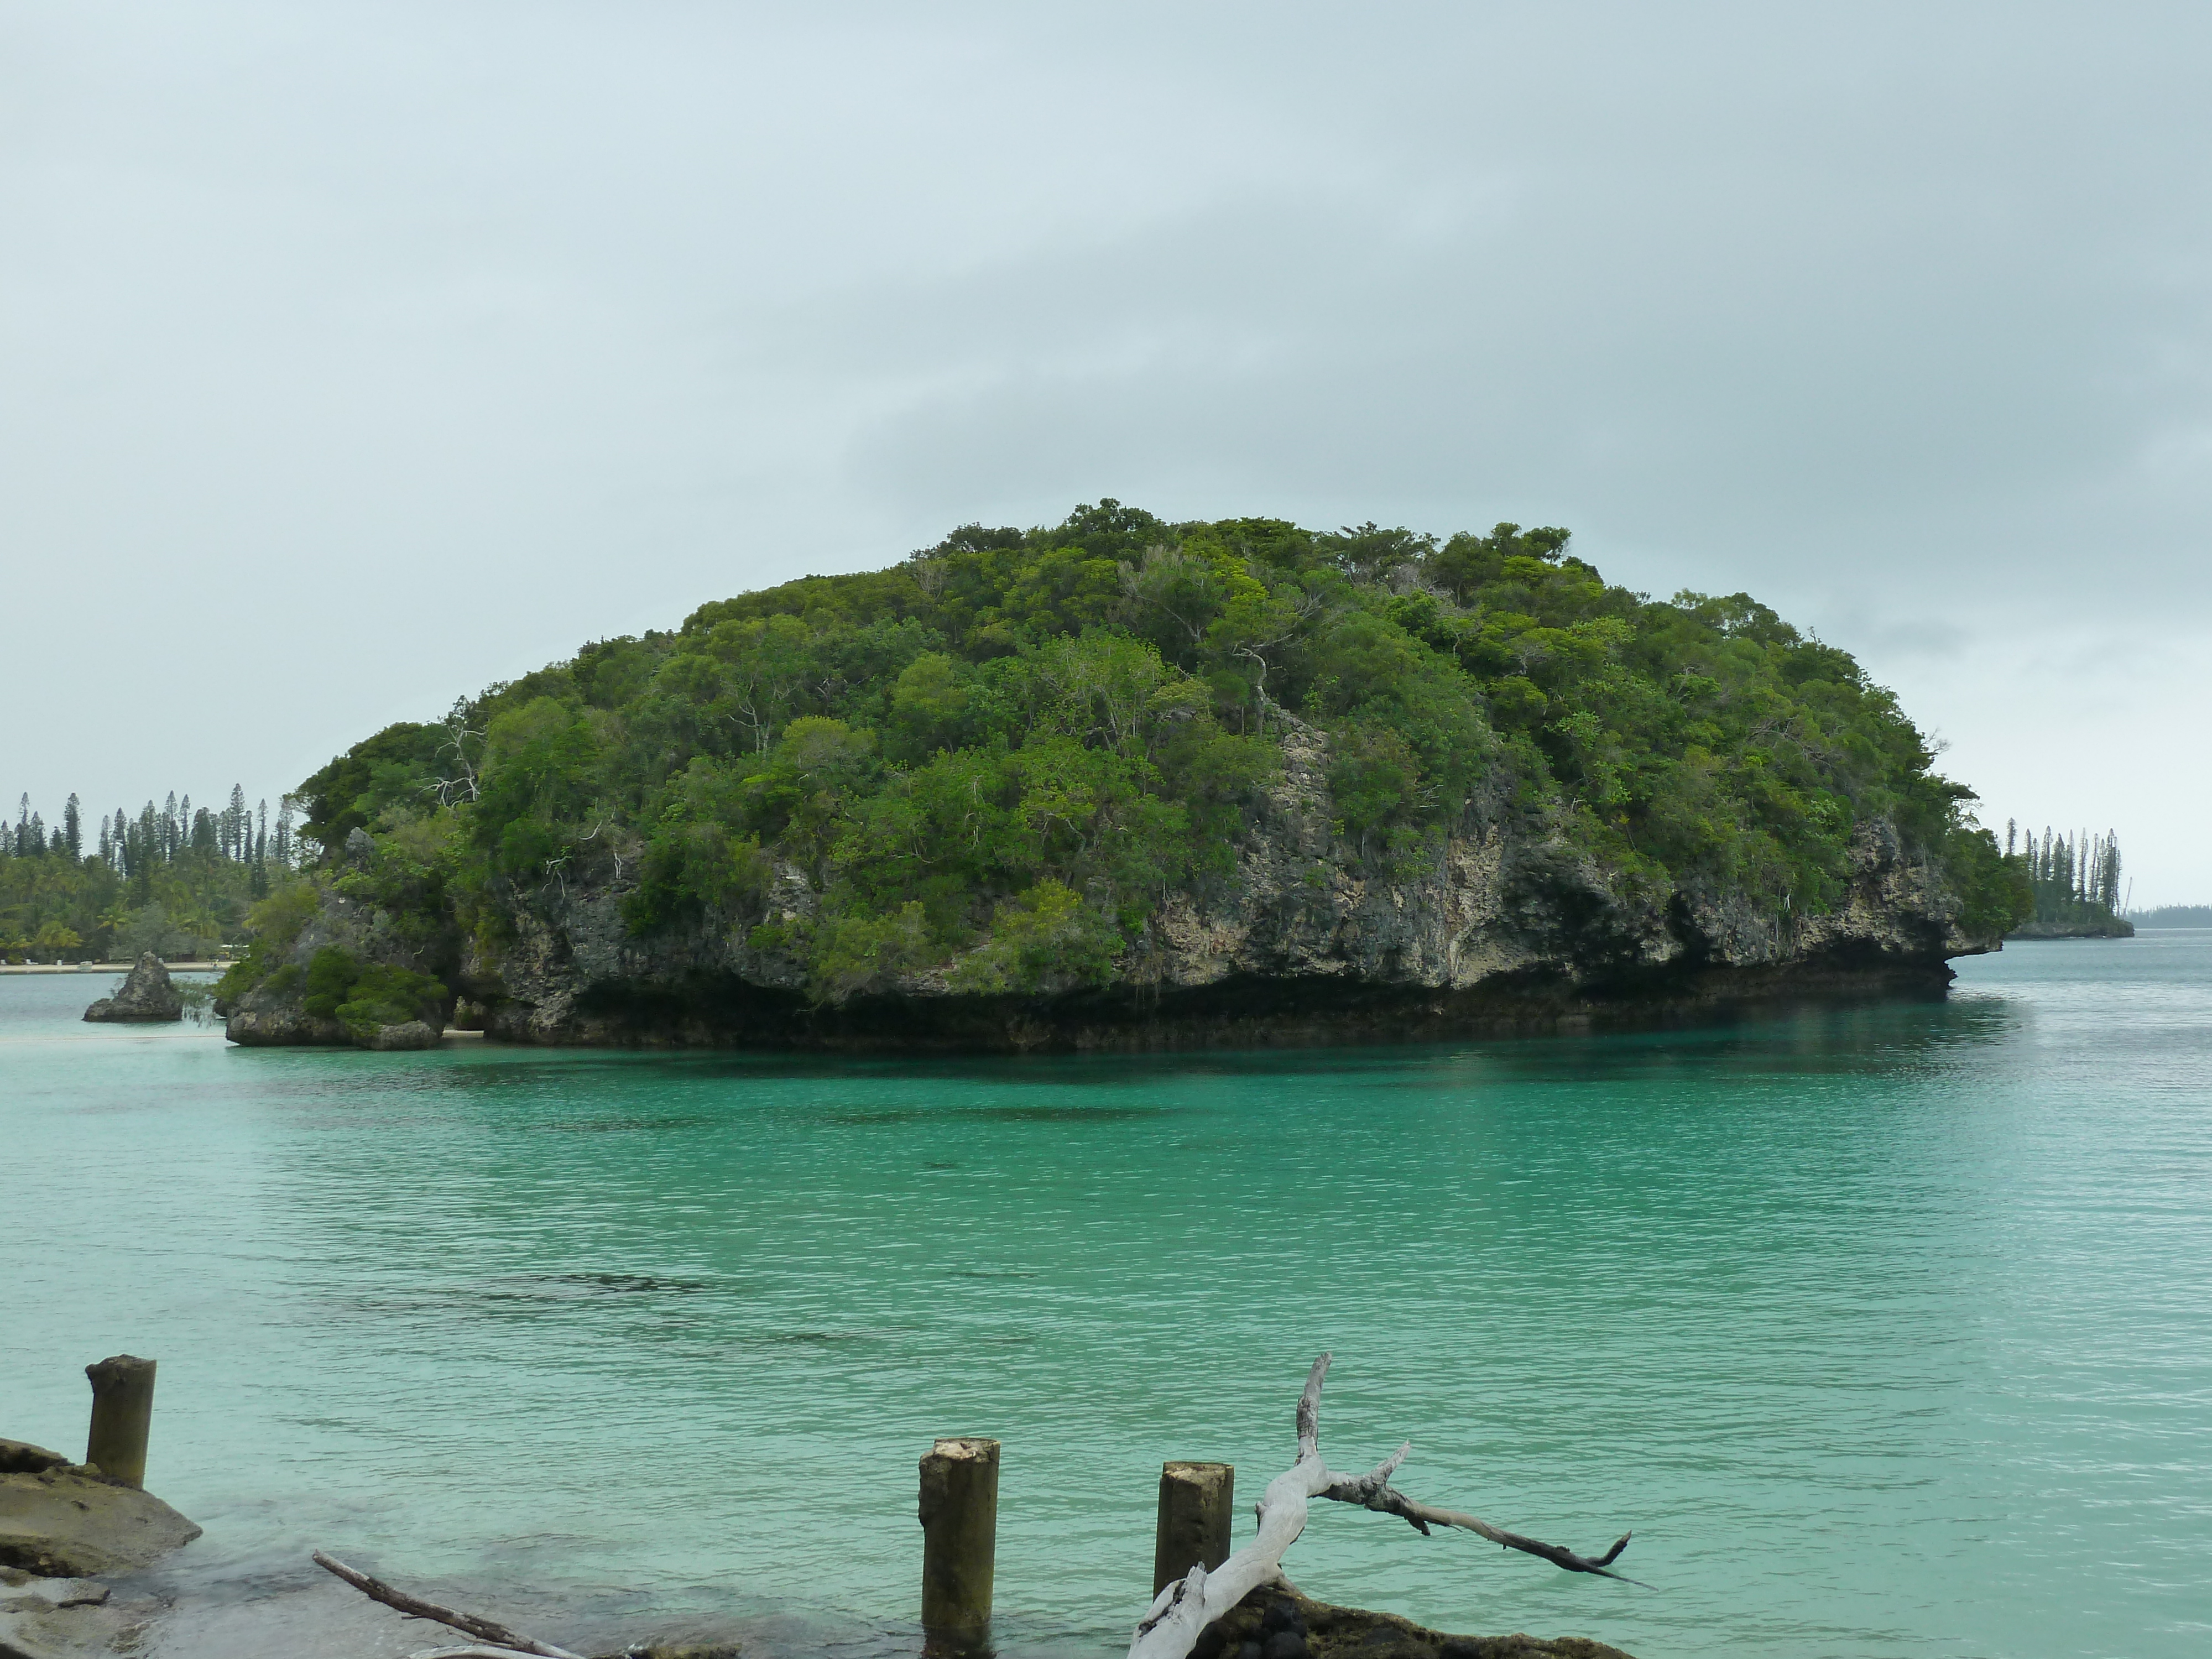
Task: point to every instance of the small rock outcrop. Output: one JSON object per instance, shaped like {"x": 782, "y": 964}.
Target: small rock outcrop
{"x": 63, "y": 1519}
{"x": 145, "y": 996}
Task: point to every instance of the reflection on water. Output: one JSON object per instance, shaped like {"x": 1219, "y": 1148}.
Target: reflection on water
{"x": 1881, "y": 1324}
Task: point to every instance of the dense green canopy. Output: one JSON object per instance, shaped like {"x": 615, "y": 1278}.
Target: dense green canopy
{"x": 1002, "y": 753}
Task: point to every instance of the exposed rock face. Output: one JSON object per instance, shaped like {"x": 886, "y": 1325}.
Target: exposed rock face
{"x": 1273, "y": 1623}
{"x": 407, "y": 1034}
{"x": 281, "y": 1023}
{"x": 1509, "y": 927}
{"x": 146, "y": 995}
{"x": 284, "y": 1024}
{"x": 68, "y": 1618}
{"x": 59, "y": 1520}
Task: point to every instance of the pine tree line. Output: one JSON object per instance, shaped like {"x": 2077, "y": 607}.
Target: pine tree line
{"x": 156, "y": 835}
{"x": 176, "y": 879}
{"x": 2076, "y": 879}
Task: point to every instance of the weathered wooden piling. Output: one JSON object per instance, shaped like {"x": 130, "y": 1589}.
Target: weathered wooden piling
{"x": 121, "y": 1413}
{"x": 1196, "y": 1502}
{"x": 959, "y": 1537}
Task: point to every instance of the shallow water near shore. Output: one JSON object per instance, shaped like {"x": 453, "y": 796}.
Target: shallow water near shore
{"x": 1887, "y": 1328}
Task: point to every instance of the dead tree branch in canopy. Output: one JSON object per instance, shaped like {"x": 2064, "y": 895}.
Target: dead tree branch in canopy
{"x": 1184, "y": 1608}
{"x": 499, "y": 1639}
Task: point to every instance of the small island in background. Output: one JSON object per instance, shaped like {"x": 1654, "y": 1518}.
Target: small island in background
{"x": 2075, "y": 884}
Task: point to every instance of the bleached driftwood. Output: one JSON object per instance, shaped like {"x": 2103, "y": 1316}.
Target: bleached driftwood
{"x": 1184, "y": 1608}
{"x": 496, "y": 1640}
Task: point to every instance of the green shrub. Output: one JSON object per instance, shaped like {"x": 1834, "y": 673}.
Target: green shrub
{"x": 273, "y": 926}
{"x": 362, "y": 996}
{"x": 1045, "y": 939}
{"x": 384, "y": 995}
{"x": 330, "y": 975}
{"x": 862, "y": 953}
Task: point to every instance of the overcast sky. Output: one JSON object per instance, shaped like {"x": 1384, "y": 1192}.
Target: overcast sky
{"x": 353, "y": 356}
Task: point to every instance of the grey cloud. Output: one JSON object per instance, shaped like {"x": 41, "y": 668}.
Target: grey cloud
{"x": 376, "y": 351}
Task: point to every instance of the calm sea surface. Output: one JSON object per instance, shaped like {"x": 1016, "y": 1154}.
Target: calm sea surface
{"x": 1888, "y": 1329}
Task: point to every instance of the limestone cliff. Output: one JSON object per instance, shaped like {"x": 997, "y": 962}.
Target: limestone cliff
{"x": 1509, "y": 927}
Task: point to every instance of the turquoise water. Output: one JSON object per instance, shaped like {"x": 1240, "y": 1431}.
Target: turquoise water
{"x": 1888, "y": 1328}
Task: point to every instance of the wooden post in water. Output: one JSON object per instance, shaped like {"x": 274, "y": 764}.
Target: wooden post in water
{"x": 959, "y": 1539}
{"x": 122, "y": 1411}
{"x": 1196, "y": 1500}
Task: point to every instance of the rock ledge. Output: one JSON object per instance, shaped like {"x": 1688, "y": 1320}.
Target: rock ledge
{"x": 64, "y": 1519}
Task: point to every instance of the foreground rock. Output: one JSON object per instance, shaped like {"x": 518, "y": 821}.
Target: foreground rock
{"x": 1274, "y": 1623}
{"x": 62, "y": 1520}
{"x": 146, "y": 996}
{"x": 69, "y": 1618}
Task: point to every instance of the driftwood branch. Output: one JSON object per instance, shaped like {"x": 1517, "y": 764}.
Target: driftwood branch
{"x": 500, "y": 1639}
{"x": 1383, "y": 1499}
{"x": 1173, "y": 1622}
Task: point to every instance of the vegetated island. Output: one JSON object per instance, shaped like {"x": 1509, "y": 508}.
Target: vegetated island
{"x": 2074, "y": 885}
{"x": 1123, "y": 783}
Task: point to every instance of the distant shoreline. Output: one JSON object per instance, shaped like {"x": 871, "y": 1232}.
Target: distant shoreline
{"x": 107, "y": 967}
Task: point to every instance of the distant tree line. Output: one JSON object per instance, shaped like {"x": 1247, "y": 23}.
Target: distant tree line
{"x": 2075, "y": 879}
{"x": 2173, "y": 915}
{"x": 175, "y": 880}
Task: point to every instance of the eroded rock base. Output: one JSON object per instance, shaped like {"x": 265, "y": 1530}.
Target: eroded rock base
{"x": 706, "y": 1009}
